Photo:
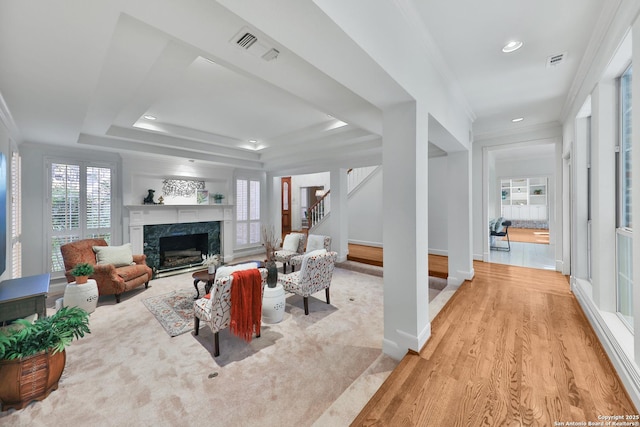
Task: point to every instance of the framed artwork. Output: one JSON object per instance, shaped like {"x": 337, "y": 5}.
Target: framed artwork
{"x": 202, "y": 197}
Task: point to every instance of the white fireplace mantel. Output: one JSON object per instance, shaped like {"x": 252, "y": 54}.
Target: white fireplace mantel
{"x": 141, "y": 215}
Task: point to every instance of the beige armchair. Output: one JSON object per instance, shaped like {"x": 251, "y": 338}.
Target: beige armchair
{"x": 111, "y": 279}
{"x": 292, "y": 245}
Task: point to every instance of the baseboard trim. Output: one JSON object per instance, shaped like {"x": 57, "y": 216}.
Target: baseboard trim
{"x": 440, "y": 252}
{"x": 365, "y": 243}
{"x": 627, "y": 370}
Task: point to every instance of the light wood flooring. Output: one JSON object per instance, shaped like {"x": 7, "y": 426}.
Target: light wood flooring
{"x": 511, "y": 347}
{"x": 438, "y": 265}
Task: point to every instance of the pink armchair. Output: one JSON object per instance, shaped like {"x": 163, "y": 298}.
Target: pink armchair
{"x": 111, "y": 280}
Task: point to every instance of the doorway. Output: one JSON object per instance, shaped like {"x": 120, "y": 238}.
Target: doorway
{"x": 285, "y": 184}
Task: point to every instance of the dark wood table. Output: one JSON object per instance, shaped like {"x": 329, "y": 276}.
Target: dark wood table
{"x": 23, "y": 296}
{"x": 204, "y": 276}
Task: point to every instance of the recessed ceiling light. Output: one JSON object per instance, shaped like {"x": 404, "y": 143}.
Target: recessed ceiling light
{"x": 253, "y": 141}
{"x": 512, "y": 46}
{"x": 149, "y": 117}
{"x": 516, "y": 120}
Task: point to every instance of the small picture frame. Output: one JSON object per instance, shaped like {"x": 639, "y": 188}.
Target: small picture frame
{"x": 202, "y": 197}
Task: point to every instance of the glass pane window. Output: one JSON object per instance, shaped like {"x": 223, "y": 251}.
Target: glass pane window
{"x": 626, "y": 219}
{"x": 625, "y": 276}
{"x": 65, "y": 197}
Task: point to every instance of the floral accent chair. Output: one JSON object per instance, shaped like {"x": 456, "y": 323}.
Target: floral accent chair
{"x": 116, "y": 269}
{"x": 314, "y": 275}
{"x": 314, "y": 242}
{"x": 292, "y": 245}
{"x": 215, "y": 308}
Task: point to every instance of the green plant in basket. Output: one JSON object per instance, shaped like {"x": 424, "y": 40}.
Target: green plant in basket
{"x": 49, "y": 333}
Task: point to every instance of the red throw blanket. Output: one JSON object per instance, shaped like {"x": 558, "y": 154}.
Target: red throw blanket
{"x": 246, "y": 303}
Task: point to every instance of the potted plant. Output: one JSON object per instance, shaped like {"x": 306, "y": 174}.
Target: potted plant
{"x": 82, "y": 272}
{"x": 211, "y": 262}
{"x": 32, "y": 355}
{"x": 218, "y": 198}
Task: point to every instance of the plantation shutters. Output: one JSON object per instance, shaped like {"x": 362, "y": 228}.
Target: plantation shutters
{"x": 16, "y": 215}
{"x": 247, "y": 212}
{"x": 80, "y": 203}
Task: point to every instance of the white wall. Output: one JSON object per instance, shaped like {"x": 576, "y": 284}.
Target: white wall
{"x": 35, "y": 232}
{"x": 365, "y": 211}
{"x": 438, "y": 205}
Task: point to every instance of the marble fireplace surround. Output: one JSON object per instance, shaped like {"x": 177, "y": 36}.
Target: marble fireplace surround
{"x": 141, "y": 215}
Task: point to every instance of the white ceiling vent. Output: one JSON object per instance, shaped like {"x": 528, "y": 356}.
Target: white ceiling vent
{"x": 555, "y": 60}
{"x": 245, "y": 39}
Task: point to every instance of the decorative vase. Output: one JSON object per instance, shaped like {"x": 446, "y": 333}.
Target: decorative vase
{"x": 211, "y": 269}
{"x": 83, "y": 296}
{"x": 272, "y": 273}
{"x": 30, "y": 378}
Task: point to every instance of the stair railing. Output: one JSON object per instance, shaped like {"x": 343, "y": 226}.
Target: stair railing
{"x": 317, "y": 211}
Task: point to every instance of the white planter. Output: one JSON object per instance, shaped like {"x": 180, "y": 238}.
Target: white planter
{"x": 273, "y": 304}
{"x": 84, "y": 296}
{"x": 211, "y": 269}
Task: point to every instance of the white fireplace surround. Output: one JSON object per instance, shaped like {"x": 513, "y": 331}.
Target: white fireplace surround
{"x": 141, "y": 215}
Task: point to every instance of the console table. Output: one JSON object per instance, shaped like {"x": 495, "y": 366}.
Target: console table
{"x": 23, "y": 296}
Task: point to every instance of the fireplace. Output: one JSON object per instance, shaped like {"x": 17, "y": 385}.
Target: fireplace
{"x": 174, "y": 248}
{"x": 183, "y": 250}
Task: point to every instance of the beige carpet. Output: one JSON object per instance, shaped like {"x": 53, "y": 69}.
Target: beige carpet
{"x": 320, "y": 368}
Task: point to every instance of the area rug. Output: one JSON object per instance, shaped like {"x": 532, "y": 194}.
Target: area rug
{"x": 174, "y": 310}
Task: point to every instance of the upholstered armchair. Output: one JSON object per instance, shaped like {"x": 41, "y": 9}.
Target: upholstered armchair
{"x": 315, "y": 275}
{"x": 292, "y": 245}
{"x": 215, "y": 308}
{"x": 314, "y": 242}
{"x": 111, "y": 278}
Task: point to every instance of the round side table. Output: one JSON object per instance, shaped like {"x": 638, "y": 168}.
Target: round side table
{"x": 273, "y": 304}
{"x": 84, "y": 296}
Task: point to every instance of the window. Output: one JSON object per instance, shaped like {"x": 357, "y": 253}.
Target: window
{"x": 16, "y": 215}
{"x": 80, "y": 205}
{"x": 624, "y": 236}
{"x": 247, "y": 212}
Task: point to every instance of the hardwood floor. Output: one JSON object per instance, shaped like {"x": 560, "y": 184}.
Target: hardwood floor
{"x": 438, "y": 265}
{"x": 512, "y": 347}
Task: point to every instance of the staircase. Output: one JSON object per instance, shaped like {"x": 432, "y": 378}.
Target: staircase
{"x": 321, "y": 209}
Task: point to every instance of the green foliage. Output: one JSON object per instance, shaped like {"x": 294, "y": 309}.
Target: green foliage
{"x": 54, "y": 332}
{"x": 82, "y": 269}
{"x": 218, "y": 196}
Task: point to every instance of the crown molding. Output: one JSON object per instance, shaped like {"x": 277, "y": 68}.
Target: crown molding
{"x": 9, "y": 123}
{"x": 610, "y": 29}
{"x": 555, "y": 128}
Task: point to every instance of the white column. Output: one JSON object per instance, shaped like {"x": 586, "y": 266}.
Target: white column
{"x": 339, "y": 213}
{"x": 459, "y": 212}
{"x": 579, "y": 267}
{"x": 603, "y": 194}
{"x": 635, "y": 185}
{"x": 405, "y": 229}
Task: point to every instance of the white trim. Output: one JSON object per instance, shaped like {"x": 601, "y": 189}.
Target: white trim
{"x": 9, "y": 123}
{"x": 441, "y": 252}
{"x": 365, "y": 243}
{"x": 627, "y": 370}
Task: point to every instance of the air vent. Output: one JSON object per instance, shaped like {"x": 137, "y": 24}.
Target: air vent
{"x": 247, "y": 40}
{"x": 555, "y": 60}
